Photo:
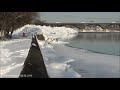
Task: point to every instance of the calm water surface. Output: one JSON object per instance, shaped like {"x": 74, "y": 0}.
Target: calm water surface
{"x": 98, "y": 42}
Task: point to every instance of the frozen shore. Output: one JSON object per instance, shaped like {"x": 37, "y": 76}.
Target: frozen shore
{"x": 90, "y": 65}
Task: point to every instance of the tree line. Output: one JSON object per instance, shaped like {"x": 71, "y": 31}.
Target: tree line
{"x": 10, "y": 21}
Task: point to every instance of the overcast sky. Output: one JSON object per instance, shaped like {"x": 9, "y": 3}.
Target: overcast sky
{"x": 77, "y": 17}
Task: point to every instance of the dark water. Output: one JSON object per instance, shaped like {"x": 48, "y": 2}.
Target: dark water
{"x": 98, "y": 42}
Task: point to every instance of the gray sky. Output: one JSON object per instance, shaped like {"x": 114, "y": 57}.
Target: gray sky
{"x": 77, "y": 17}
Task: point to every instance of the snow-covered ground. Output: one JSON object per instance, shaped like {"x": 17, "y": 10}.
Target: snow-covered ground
{"x": 14, "y": 52}
{"x": 12, "y": 56}
{"x": 91, "y": 65}
{"x": 61, "y": 61}
{"x": 57, "y": 66}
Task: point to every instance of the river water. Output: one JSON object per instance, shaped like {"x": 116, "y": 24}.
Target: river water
{"x": 98, "y": 42}
{"x": 103, "y": 57}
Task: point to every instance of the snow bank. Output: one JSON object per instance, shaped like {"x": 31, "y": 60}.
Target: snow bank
{"x": 47, "y": 31}
{"x": 29, "y": 31}
{"x": 12, "y": 56}
{"x": 58, "y": 32}
{"x": 61, "y": 70}
{"x": 57, "y": 67}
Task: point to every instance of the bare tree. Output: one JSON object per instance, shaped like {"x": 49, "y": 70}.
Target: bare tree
{"x": 9, "y": 21}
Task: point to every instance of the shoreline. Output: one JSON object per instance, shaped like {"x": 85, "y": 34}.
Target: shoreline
{"x": 97, "y": 65}
{"x": 90, "y": 50}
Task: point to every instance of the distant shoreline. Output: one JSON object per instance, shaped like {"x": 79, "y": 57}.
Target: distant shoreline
{"x": 98, "y": 32}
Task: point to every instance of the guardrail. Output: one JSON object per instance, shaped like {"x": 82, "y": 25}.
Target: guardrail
{"x": 34, "y": 66}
